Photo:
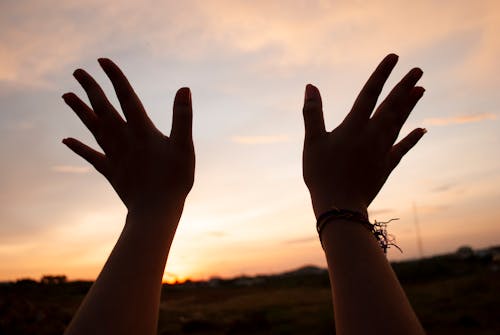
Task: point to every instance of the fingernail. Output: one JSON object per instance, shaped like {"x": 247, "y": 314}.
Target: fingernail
{"x": 393, "y": 57}
{"x": 310, "y": 92}
{"x": 417, "y": 72}
{"x": 183, "y": 97}
{"x": 424, "y": 131}
{"x": 77, "y": 73}
{"x": 417, "y": 92}
{"x": 103, "y": 61}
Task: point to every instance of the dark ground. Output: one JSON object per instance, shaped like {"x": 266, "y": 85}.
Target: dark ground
{"x": 450, "y": 295}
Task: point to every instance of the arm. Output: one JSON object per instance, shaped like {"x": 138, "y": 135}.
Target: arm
{"x": 346, "y": 168}
{"x": 152, "y": 174}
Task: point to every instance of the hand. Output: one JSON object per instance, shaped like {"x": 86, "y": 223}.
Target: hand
{"x": 347, "y": 167}
{"x": 147, "y": 169}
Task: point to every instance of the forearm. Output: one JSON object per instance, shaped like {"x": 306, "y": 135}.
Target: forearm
{"x": 367, "y": 296}
{"x": 125, "y": 297}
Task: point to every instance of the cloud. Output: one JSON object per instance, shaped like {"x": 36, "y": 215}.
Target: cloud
{"x": 43, "y": 38}
{"x": 20, "y": 126}
{"x": 216, "y": 233}
{"x": 380, "y": 211}
{"x": 40, "y": 40}
{"x": 301, "y": 240}
{"x": 71, "y": 169}
{"x": 266, "y": 139}
{"x": 443, "y": 188}
{"x": 470, "y": 118}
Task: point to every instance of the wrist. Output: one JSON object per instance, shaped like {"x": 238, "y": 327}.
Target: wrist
{"x": 158, "y": 203}
{"x": 158, "y": 212}
{"x": 344, "y": 229}
{"x": 323, "y": 204}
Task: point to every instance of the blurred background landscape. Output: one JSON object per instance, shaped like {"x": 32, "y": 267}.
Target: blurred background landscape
{"x": 454, "y": 293}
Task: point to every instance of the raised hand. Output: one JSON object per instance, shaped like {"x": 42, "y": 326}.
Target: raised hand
{"x": 146, "y": 168}
{"x": 152, "y": 174}
{"x": 346, "y": 168}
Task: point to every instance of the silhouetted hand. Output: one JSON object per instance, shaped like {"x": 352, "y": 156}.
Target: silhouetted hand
{"x": 147, "y": 169}
{"x": 347, "y": 167}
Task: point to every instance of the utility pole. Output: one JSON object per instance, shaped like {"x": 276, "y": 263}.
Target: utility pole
{"x": 417, "y": 230}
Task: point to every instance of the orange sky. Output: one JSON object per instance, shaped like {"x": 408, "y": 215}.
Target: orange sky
{"x": 247, "y": 64}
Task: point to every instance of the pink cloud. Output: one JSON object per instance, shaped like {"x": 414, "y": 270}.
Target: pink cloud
{"x": 461, "y": 119}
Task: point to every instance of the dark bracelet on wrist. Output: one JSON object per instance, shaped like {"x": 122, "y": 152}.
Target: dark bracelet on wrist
{"x": 378, "y": 229}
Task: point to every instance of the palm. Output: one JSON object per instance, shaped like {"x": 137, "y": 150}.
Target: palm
{"x": 144, "y": 166}
{"x": 347, "y": 167}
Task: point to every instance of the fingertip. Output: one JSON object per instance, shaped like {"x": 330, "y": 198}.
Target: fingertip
{"x": 418, "y": 132}
{"x": 103, "y": 60}
{"x": 311, "y": 93}
{"x": 388, "y": 63}
{"x": 417, "y": 135}
{"x": 183, "y": 97}
{"x": 78, "y": 73}
{"x": 417, "y": 92}
{"x": 66, "y": 141}
{"x": 105, "y": 63}
{"x": 182, "y": 120}
{"x": 416, "y": 72}
{"x": 392, "y": 57}
{"x": 66, "y": 96}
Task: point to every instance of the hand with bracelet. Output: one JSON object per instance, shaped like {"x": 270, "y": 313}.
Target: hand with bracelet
{"x": 345, "y": 169}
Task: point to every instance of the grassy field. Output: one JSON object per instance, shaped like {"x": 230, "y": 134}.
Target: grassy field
{"x": 450, "y": 295}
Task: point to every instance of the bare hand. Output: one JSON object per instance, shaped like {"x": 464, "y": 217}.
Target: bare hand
{"x": 147, "y": 169}
{"x": 347, "y": 167}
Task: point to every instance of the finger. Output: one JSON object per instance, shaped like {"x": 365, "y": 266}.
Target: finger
{"x": 131, "y": 104}
{"x": 391, "y": 123}
{"x": 402, "y": 147}
{"x": 367, "y": 98}
{"x": 314, "y": 122}
{"x": 100, "y": 104}
{"x": 97, "y": 159}
{"x": 106, "y": 139}
{"x": 84, "y": 112}
{"x": 415, "y": 95}
{"x": 391, "y": 107}
{"x": 182, "y": 118}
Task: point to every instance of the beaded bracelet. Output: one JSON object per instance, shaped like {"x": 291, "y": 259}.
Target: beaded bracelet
{"x": 378, "y": 229}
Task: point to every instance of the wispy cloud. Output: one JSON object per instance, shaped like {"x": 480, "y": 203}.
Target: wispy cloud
{"x": 216, "y": 233}
{"x": 71, "y": 169}
{"x": 443, "y": 187}
{"x": 301, "y": 240}
{"x": 461, "y": 119}
{"x": 266, "y": 139}
{"x": 380, "y": 211}
{"x": 20, "y": 126}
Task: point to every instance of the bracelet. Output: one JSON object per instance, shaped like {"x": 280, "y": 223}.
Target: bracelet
{"x": 378, "y": 229}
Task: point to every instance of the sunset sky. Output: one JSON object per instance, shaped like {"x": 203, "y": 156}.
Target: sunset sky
{"x": 247, "y": 63}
